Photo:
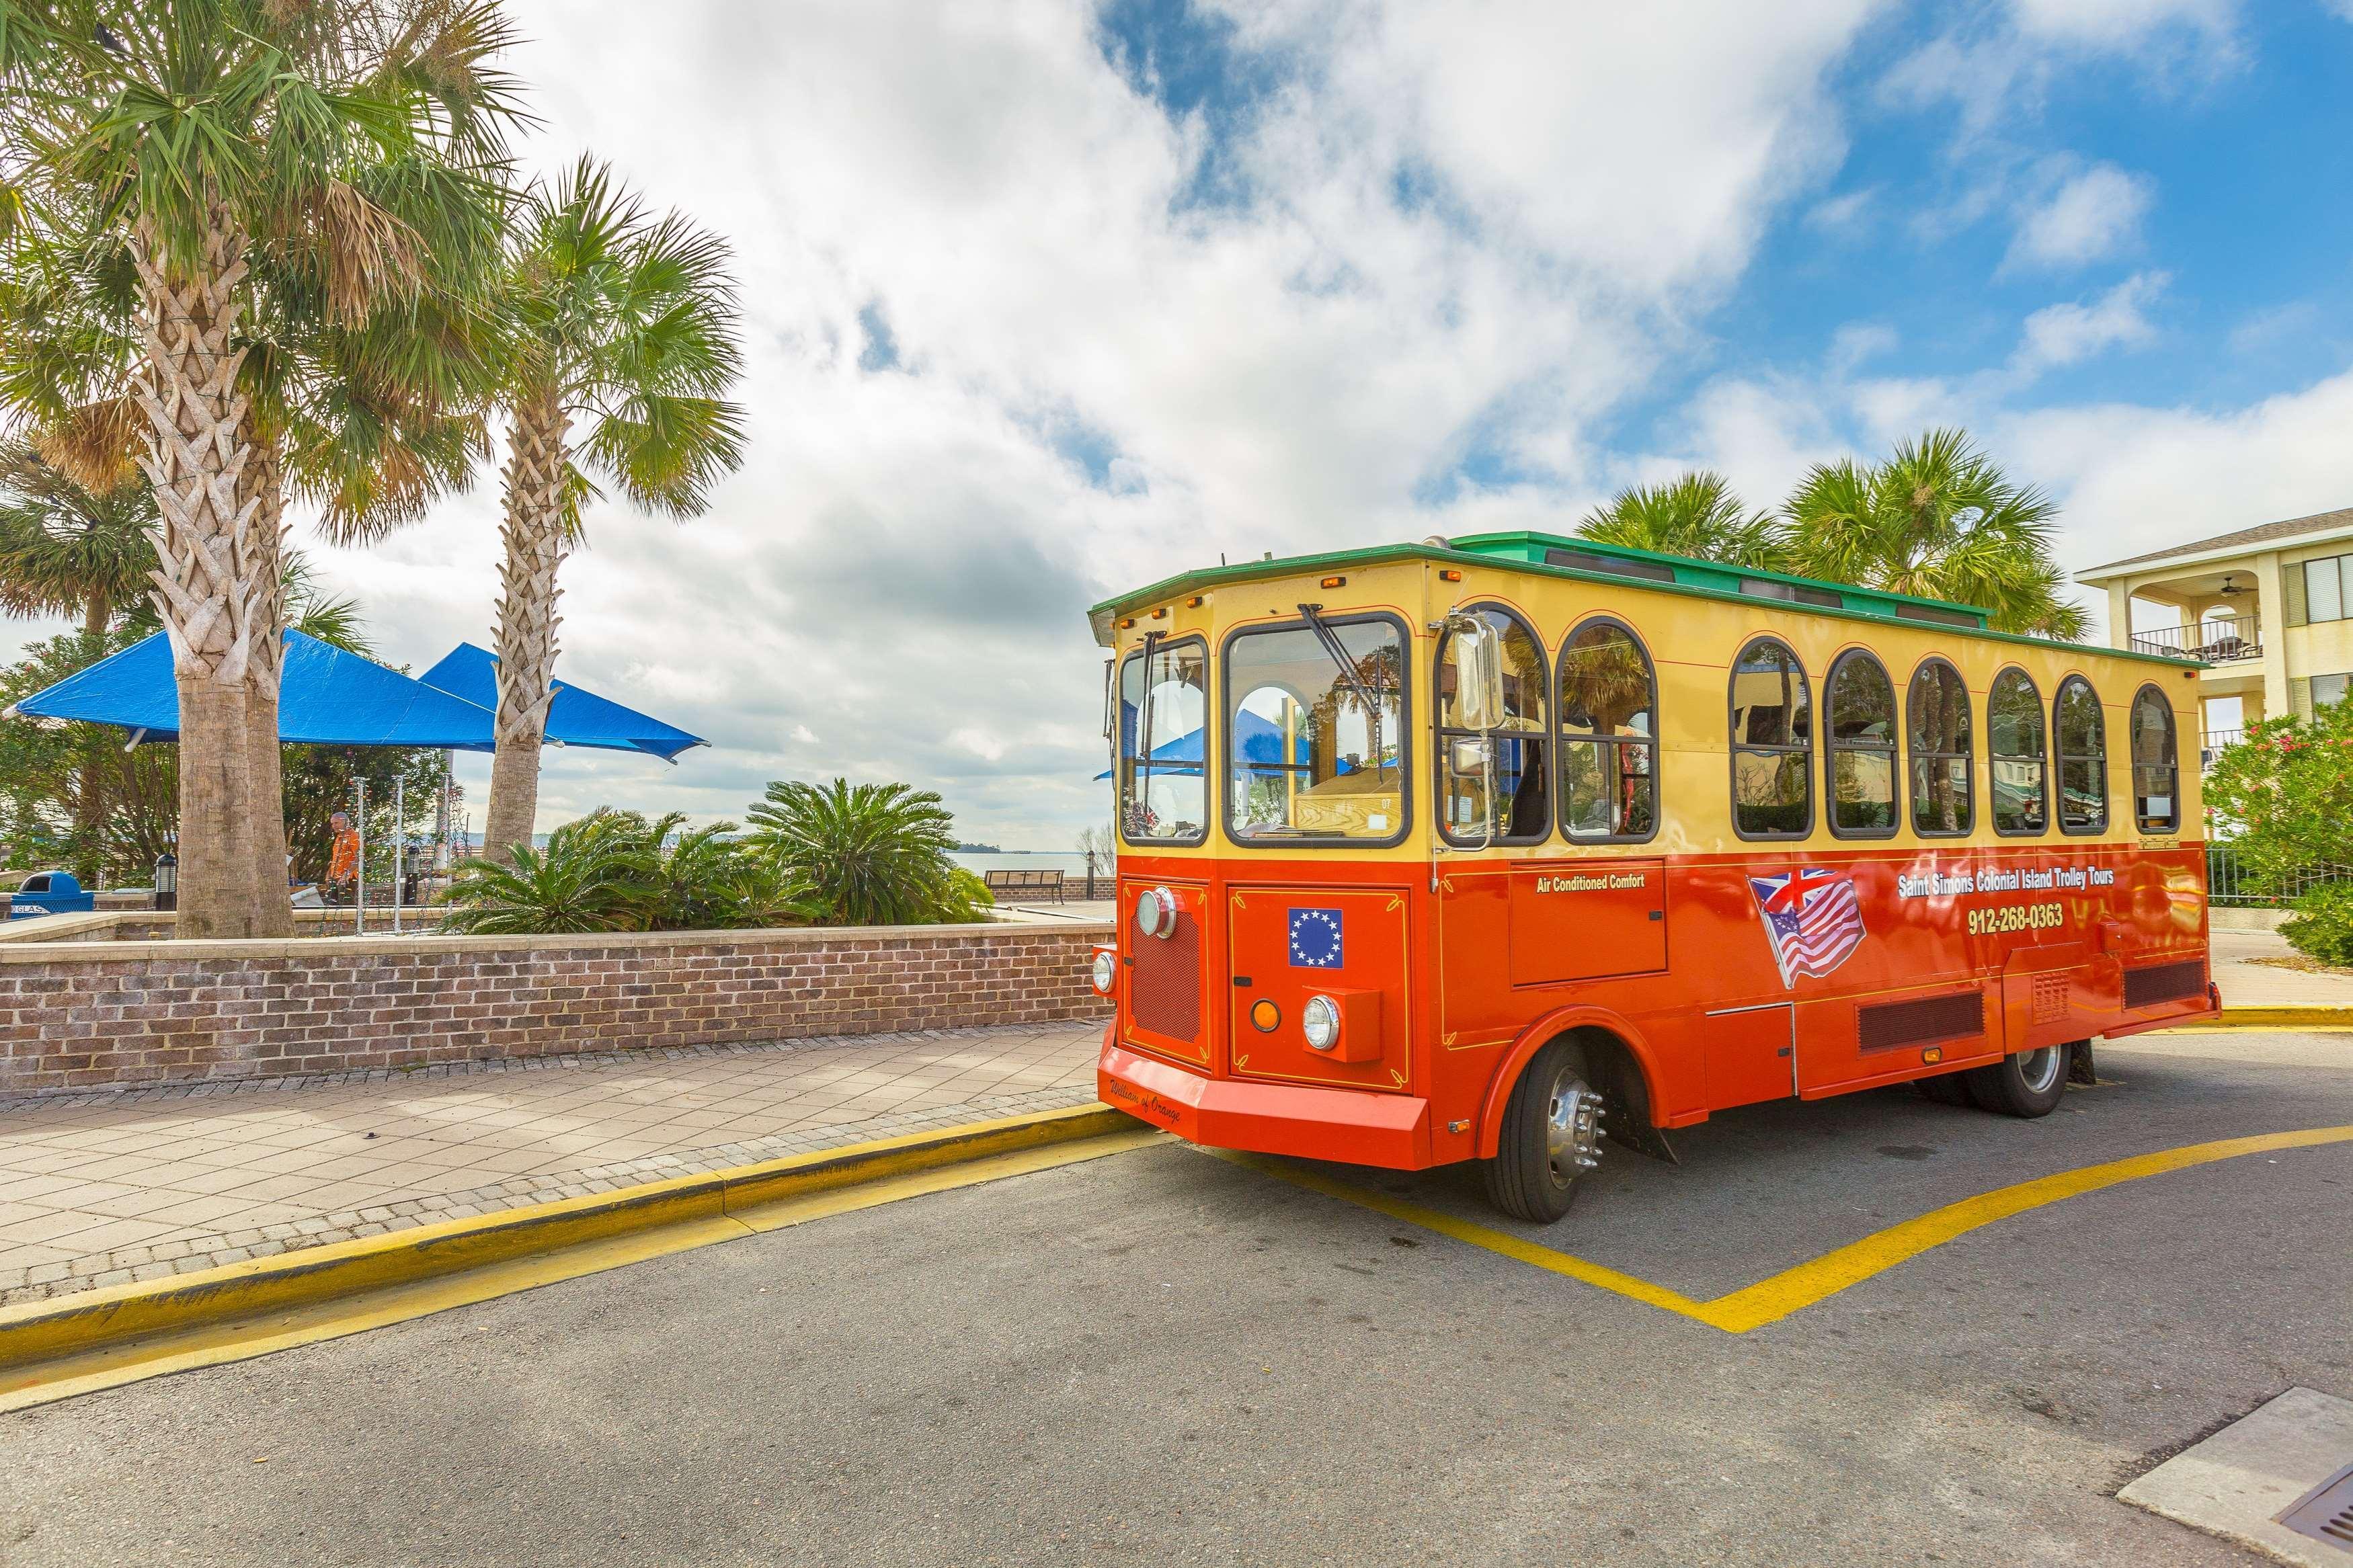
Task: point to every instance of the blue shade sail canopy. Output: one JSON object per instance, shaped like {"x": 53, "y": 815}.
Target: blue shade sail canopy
{"x": 326, "y": 697}
{"x": 575, "y": 718}
{"x": 1259, "y": 745}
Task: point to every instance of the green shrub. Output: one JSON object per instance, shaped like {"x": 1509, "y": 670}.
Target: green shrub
{"x": 867, "y": 854}
{"x": 2322, "y": 926}
{"x": 618, "y": 870}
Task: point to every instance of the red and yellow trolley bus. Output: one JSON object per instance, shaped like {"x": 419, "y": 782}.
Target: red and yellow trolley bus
{"x": 1483, "y": 848}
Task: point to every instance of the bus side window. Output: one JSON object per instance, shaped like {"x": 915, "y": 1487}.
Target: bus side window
{"x": 2156, "y": 772}
{"x": 2082, "y": 731}
{"x": 1943, "y": 804}
{"x": 1772, "y": 743}
{"x": 1608, "y": 737}
{"x": 1860, "y": 713}
{"x": 1520, "y": 813}
{"x": 2014, "y": 747}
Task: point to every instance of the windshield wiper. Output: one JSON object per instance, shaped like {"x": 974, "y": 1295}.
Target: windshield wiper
{"x": 1338, "y": 653}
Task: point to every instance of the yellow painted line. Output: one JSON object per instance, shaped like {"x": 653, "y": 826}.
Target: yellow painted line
{"x": 56, "y": 1349}
{"x": 1795, "y": 1289}
{"x": 2290, "y": 1017}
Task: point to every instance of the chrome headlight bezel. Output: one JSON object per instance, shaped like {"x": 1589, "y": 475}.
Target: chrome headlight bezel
{"x": 1155, "y": 913}
{"x": 1104, "y": 973}
{"x": 1319, "y": 1022}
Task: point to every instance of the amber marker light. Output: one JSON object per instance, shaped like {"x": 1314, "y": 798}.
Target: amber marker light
{"x": 1336, "y": 582}
{"x": 1197, "y": 601}
{"x": 1449, "y": 575}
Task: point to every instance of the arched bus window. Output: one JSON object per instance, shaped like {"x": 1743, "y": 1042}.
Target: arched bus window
{"x": 2156, "y": 772}
{"x": 2081, "y": 731}
{"x": 1608, "y": 737}
{"x": 1772, "y": 743}
{"x": 2021, "y": 805}
{"x": 1943, "y": 804}
{"x": 1859, "y": 709}
{"x": 1315, "y": 732}
{"x": 1520, "y": 810}
{"x": 1163, "y": 709}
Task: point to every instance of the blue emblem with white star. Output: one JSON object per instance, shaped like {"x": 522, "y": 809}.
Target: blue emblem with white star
{"x": 1315, "y": 939}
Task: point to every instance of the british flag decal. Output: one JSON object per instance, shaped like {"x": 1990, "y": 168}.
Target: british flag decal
{"x": 1813, "y": 919}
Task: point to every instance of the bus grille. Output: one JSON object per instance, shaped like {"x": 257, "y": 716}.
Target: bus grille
{"x": 2165, "y": 982}
{"x": 1893, "y": 1024}
{"x": 1165, "y": 990}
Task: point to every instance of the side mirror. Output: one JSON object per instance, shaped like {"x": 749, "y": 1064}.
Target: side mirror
{"x": 1478, "y": 671}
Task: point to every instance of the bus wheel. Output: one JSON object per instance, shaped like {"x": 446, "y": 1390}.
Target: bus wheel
{"x": 1551, "y": 1136}
{"x": 2028, "y": 1084}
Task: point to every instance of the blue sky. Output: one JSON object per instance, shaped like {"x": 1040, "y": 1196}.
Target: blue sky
{"x": 1050, "y": 297}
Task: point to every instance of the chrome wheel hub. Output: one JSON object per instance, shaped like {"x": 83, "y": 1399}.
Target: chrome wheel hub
{"x": 1573, "y": 1115}
{"x": 2042, "y": 1068}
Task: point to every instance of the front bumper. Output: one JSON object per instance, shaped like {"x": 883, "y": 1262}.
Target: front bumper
{"x": 1391, "y": 1130}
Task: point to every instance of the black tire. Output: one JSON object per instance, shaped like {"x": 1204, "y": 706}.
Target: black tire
{"x": 1534, "y": 1174}
{"x": 2029, "y": 1084}
{"x": 1945, "y": 1088}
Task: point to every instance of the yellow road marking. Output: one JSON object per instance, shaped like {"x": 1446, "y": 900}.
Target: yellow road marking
{"x": 217, "y": 1343}
{"x": 1795, "y": 1289}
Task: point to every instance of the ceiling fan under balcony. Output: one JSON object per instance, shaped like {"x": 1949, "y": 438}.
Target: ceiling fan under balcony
{"x": 2231, "y": 589}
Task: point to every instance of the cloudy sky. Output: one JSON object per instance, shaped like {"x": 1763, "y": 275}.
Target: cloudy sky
{"x": 1047, "y": 298}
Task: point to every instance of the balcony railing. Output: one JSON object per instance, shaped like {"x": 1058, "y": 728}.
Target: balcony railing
{"x": 2213, "y": 741}
{"x": 2216, "y": 641}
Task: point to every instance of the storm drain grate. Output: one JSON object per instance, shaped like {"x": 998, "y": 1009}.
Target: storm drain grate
{"x": 2326, "y": 1512}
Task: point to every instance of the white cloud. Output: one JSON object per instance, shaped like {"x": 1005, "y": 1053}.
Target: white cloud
{"x": 2122, "y": 25}
{"x": 2068, "y": 333}
{"x": 1850, "y": 213}
{"x": 1102, "y": 378}
{"x": 1858, "y": 342}
{"x": 2087, "y": 216}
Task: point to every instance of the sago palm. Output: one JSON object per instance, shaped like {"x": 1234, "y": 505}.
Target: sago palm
{"x": 1696, "y": 515}
{"x": 621, "y": 330}
{"x": 868, "y": 854}
{"x": 1939, "y": 520}
{"x": 344, "y": 139}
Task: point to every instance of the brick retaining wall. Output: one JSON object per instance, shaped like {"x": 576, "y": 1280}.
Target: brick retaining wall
{"x": 100, "y": 1014}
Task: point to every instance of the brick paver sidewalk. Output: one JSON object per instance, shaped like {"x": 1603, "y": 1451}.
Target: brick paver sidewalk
{"x": 100, "y": 1188}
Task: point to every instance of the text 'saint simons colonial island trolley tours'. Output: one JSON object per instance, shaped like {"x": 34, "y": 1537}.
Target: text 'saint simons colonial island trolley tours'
{"x": 1490, "y": 848}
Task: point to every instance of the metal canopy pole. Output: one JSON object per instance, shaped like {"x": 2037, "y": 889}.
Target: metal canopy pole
{"x": 359, "y": 884}
{"x": 399, "y": 841}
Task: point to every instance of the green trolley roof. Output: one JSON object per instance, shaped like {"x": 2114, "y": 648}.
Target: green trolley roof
{"x": 1590, "y": 560}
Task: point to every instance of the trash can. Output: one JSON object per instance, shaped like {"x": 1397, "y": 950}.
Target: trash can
{"x": 50, "y": 893}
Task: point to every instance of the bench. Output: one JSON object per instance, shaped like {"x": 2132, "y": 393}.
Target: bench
{"x": 1040, "y": 885}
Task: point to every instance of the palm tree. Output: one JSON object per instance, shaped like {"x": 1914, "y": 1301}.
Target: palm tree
{"x": 866, "y": 854}
{"x": 1696, "y": 516}
{"x": 622, "y": 337}
{"x": 1941, "y": 520}
{"x": 344, "y": 143}
{"x": 67, "y": 549}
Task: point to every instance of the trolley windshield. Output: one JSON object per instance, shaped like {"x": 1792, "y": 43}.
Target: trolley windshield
{"x": 1315, "y": 732}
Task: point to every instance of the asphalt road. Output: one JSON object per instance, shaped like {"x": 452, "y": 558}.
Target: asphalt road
{"x": 1163, "y": 1357}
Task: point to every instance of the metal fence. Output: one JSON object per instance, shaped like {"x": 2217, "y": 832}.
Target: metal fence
{"x": 2229, "y": 882}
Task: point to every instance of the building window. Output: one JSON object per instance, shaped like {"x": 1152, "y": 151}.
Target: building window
{"x": 2081, "y": 731}
{"x": 1772, "y": 743}
{"x": 1943, "y": 805}
{"x": 2328, "y": 587}
{"x": 2328, "y": 689}
{"x": 2156, "y": 772}
{"x": 1511, "y": 757}
{"x": 1859, "y": 709}
{"x": 1608, "y": 737}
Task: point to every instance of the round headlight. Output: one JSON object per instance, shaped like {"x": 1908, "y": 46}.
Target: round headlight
{"x": 1320, "y": 1022}
{"x": 1155, "y": 913}
{"x": 1106, "y": 972}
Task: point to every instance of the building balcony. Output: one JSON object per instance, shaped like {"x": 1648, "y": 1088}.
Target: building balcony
{"x": 2224, "y": 640}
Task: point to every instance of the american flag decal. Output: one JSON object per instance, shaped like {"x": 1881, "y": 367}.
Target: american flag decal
{"x": 1813, "y": 919}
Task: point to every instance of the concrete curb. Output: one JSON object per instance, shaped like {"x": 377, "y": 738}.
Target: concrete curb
{"x": 34, "y": 1334}
{"x": 2287, "y": 1018}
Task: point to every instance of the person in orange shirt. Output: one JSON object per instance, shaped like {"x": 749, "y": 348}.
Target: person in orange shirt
{"x": 344, "y": 865}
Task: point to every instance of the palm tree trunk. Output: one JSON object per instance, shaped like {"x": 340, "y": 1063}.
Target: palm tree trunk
{"x": 534, "y": 535}
{"x": 196, "y": 450}
{"x": 265, "y": 535}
